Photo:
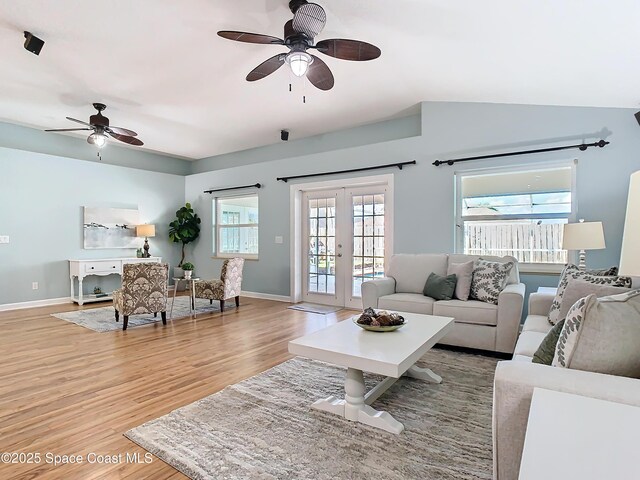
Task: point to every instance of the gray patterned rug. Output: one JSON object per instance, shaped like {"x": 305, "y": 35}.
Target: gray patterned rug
{"x": 103, "y": 319}
{"x": 263, "y": 428}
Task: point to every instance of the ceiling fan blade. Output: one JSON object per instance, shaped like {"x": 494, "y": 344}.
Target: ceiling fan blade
{"x": 126, "y": 139}
{"x": 250, "y": 37}
{"x": 266, "y": 68}
{"x": 78, "y": 121}
{"x": 309, "y": 19}
{"x": 320, "y": 75}
{"x": 121, "y": 131}
{"x": 67, "y": 129}
{"x": 354, "y": 50}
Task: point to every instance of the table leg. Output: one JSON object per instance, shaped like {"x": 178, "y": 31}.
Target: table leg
{"x": 80, "y": 299}
{"x": 193, "y": 298}
{"x": 354, "y": 406}
{"x": 425, "y": 374}
{"x": 71, "y": 282}
{"x": 175, "y": 291}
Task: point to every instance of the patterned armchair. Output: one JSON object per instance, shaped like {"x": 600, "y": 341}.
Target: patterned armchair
{"x": 228, "y": 286}
{"x": 144, "y": 290}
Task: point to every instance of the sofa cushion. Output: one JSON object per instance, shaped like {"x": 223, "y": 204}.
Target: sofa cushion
{"x": 407, "y": 302}
{"x": 489, "y": 279}
{"x": 471, "y": 311}
{"x": 547, "y": 349}
{"x": 464, "y": 274}
{"x": 439, "y": 287}
{"x": 411, "y": 271}
{"x": 528, "y": 343}
{"x": 577, "y": 289}
{"x": 570, "y": 272}
{"x": 537, "y": 323}
{"x": 514, "y": 275}
{"x": 602, "y": 335}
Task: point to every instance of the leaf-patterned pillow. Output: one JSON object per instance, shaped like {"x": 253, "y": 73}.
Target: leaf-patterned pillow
{"x": 489, "y": 279}
{"x": 572, "y": 272}
{"x": 570, "y": 332}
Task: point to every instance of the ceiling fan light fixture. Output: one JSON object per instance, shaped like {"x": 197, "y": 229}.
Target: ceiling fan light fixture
{"x": 299, "y": 63}
{"x": 98, "y": 139}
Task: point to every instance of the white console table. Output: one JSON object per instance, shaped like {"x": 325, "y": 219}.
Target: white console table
{"x": 101, "y": 267}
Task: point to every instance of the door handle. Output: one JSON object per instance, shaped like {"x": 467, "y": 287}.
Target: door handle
{"x": 339, "y": 255}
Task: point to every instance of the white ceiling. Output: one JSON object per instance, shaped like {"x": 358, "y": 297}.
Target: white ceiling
{"x": 163, "y": 71}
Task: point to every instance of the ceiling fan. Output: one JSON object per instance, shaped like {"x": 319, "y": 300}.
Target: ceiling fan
{"x": 299, "y": 33}
{"x": 101, "y": 129}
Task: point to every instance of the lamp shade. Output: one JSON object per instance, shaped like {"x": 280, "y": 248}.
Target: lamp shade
{"x": 630, "y": 258}
{"x": 583, "y": 236}
{"x": 146, "y": 231}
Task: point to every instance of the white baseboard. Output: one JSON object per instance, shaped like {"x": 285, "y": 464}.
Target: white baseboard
{"x": 267, "y": 296}
{"x": 35, "y": 303}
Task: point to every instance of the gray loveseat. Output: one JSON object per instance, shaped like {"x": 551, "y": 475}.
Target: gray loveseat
{"x": 515, "y": 380}
{"x": 477, "y": 324}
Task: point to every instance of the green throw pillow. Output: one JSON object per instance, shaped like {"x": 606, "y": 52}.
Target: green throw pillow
{"x": 439, "y": 287}
{"x": 547, "y": 348}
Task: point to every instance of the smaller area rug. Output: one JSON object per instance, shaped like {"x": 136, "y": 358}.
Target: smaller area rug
{"x": 314, "y": 308}
{"x": 103, "y": 319}
{"x": 262, "y": 428}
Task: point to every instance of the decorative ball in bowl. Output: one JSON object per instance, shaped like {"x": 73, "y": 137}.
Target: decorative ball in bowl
{"x": 381, "y": 321}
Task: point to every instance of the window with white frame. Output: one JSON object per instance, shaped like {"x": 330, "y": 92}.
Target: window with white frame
{"x": 517, "y": 212}
{"x": 235, "y": 226}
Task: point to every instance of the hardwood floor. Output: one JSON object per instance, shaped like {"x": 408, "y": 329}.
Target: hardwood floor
{"x": 66, "y": 390}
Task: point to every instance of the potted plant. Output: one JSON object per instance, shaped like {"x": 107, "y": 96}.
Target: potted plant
{"x": 184, "y": 229}
{"x": 188, "y": 269}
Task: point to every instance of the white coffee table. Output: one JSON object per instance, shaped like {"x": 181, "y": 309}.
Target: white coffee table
{"x": 391, "y": 354}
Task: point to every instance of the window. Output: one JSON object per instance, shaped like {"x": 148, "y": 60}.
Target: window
{"x": 519, "y": 213}
{"x": 235, "y": 226}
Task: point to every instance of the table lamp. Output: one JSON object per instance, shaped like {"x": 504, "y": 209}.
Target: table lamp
{"x": 630, "y": 257}
{"x": 583, "y": 236}
{"x": 146, "y": 231}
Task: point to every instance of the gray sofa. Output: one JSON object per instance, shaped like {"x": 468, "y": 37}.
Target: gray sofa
{"x": 477, "y": 324}
{"x": 515, "y": 380}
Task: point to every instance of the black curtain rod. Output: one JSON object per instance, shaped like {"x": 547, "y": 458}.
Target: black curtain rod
{"x": 257, "y": 185}
{"x": 582, "y": 147}
{"x": 390, "y": 165}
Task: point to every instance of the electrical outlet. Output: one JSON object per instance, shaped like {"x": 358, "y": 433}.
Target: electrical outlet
{"x": 4, "y": 238}
{"x": 34, "y": 286}
{"x": 279, "y": 240}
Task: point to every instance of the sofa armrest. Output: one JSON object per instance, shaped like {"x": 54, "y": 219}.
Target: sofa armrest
{"x": 372, "y": 290}
{"x": 540, "y": 303}
{"x": 510, "y": 303}
{"x": 513, "y": 387}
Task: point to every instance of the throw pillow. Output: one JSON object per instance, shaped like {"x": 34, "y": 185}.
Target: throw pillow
{"x": 489, "y": 279}
{"x": 464, "y": 274}
{"x": 602, "y": 335}
{"x": 577, "y": 289}
{"x": 439, "y": 287}
{"x": 600, "y": 272}
{"x": 547, "y": 348}
{"x": 570, "y": 273}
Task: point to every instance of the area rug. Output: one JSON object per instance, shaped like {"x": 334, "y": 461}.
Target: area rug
{"x": 103, "y": 319}
{"x": 262, "y": 428}
{"x": 314, "y": 308}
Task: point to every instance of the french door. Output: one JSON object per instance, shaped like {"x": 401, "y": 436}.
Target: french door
{"x": 345, "y": 242}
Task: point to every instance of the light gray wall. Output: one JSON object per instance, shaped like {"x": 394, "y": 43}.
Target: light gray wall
{"x": 424, "y": 216}
{"x": 41, "y": 198}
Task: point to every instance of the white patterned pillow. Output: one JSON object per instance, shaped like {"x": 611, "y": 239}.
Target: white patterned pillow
{"x": 602, "y": 335}
{"x": 489, "y": 279}
{"x": 572, "y": 272}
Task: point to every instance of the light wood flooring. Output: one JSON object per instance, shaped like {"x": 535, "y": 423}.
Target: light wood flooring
{"x": 66, "y": 390}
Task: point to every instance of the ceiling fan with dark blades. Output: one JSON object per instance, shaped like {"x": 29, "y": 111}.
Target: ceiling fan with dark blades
{"x": 299, "y": 33}
{"x": 99, "y": 124}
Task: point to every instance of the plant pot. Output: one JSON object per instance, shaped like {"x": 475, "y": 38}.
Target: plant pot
{"x": 187, "y": 274}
